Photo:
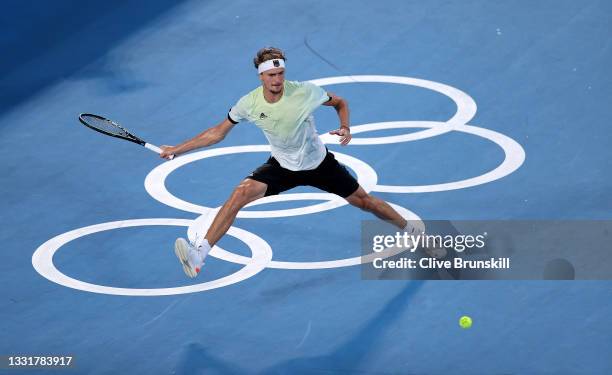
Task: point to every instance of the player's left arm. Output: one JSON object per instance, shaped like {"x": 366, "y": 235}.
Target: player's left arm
{"x": 342, "y": 108}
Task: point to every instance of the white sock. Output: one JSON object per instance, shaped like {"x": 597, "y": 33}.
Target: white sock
{"x": 204, "y": 247}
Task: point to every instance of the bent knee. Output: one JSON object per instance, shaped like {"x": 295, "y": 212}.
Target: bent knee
{"x": 246, "y": 192}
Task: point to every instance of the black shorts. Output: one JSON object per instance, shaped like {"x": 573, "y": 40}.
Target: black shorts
{"x": 329, "y": 176}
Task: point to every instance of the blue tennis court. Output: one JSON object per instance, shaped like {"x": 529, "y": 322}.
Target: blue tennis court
{"x": 470, "y": 110}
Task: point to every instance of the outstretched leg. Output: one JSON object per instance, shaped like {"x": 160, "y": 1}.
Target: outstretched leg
{"x": 245, "y": 193}
{"x": 377, "y": 206}
{"x": 383, "y": 211}
{"x": 192, "y": 255}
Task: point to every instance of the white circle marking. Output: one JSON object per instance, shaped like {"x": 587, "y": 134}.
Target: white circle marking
{"x": 155, "y": 184}
{"x": 42, "y": 260}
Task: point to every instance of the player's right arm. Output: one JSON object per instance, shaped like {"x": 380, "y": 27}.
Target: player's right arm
{"x": 208, "y": 137}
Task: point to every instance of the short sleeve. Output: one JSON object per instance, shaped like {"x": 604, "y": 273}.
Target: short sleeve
{"x": 317, "y": 95}
{"x": 239, "y": 111}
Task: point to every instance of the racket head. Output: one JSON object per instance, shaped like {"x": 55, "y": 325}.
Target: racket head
{"x": 105, "y": 126}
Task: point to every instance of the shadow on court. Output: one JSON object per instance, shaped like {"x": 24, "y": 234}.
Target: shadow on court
{"x": 346, "y": 358}
{"x": 61, "y": 37}
{"x": 355, "y": 351}
{"x": 197, "y": 360}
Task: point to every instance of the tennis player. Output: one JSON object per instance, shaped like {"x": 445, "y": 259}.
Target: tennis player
{"x": 283, "y": 111}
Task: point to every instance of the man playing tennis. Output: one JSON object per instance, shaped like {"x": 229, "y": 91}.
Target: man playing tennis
{"x": 283, "y": 111}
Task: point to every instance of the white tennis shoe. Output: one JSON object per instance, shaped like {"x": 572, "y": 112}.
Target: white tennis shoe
{"x": 437, "y": 253}
{"x": 411, "y": 229}
{"x": 191, "y": 257}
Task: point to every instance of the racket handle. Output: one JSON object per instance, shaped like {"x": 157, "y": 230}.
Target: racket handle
{"x": 156, "y": 149}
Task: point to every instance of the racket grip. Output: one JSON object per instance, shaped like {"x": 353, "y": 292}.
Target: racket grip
{"x": 156, "y": 149}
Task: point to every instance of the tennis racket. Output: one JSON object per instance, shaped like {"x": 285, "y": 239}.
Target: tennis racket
{"x": 108, "y": 127}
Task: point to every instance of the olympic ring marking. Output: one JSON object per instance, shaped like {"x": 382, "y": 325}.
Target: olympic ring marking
{"x": 466, "y": 106}
{"x": 514, "y": 156}
{"x": 262, "y": 253}
{"x": 442, "y": 127}
{"x": 42, "y": 260}
{"x": 155, "y": 184}
{"x": 206, "y": 219}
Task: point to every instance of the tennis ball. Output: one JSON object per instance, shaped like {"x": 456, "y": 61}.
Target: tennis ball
{"x": 465, "y": 322}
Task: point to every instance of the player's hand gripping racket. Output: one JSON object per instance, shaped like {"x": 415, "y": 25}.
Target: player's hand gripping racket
{"x": 108, "y": 127}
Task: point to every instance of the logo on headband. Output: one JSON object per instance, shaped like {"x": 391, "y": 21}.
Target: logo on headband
{"x": 270, "y": 64}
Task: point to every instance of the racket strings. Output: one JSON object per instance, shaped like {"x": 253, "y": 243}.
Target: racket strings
{"x": 107, "y": 126}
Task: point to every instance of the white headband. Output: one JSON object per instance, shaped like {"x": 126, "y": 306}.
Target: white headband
{"x": 270, "y": 64}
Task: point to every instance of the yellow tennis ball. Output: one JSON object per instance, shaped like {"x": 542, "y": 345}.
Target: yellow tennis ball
{"x": 465, "y": 322}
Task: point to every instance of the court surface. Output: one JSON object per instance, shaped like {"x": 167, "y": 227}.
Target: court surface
{"x": 482, "y": 110}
